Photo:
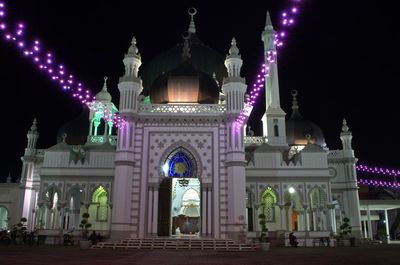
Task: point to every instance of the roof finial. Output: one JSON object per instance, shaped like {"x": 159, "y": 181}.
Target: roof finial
{"x": 133, "y": 49}
{"x": 186, "y": 49}
{"x": 295, "y": 105}
{"x": 105, "y": 83}
{"x": 234, "y": 50}
{"x": 308, "y": 137}
{"x": 34, "y": 125}
{"x": 268, "y": 22}
{"x": 9, "y": 178}
{"x": 192, "y": 27}
{"x": 345, "y": 128}
{"x": 64, "y": 137}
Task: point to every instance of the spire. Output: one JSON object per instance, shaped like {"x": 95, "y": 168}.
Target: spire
{"x": 192, "y": 27}
{"x": 105, "y": 84}
{"x": 295, "y": 105}
{"x": 186, "y": 49}
{"x": 268, "y": 23}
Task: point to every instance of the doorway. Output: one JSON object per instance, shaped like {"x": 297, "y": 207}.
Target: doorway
{"x": 179, "y": 207}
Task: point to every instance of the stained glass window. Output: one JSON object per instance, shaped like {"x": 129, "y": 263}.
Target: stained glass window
{"x": 180, "y": 164}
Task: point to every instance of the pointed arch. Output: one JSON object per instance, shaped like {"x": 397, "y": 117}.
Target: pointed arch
{"x": 180, "y": 152}
{"x": 48, "y": 194}
{"x": 269, "y": 198}
{"x": 100, "y": 198}
{"x": 295, "y": 198}
{"x": 317, "y": 197}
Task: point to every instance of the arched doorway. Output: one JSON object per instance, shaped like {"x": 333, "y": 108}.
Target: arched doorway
{"x": 179, "y": 200}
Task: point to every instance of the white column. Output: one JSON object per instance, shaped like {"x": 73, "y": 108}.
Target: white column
{"x": 387, "y": 226}
{"x": 282, "y": 213}
{"x": 289, "y": 217}
{"x": 209, "y": 207}
{"x": 150, "y": 211}
{"x": 365, "y": 229}
{"x": 204, "y": 211}
{"x": 155, "y": 211}
{"x": 369, "y": 223}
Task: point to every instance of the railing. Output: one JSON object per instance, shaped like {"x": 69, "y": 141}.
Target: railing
{"x": 335, "y": 154}
{"x": 99, "y": 139}
{"x": 254, "y": 139}
{"x": 169, "y": 108}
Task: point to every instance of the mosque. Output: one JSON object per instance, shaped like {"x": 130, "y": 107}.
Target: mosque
{"x": 179, "y": 167}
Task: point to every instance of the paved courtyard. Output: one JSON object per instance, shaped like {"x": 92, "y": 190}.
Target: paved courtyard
{"x": 54, "y": 255}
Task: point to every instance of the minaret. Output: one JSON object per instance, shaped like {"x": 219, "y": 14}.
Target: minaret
{"x": 125, "y": 213}
{"x": 234, "y": 88}
{"x": 350, "y": 189}
{"x": 30, "y": 181}
{"x": 274, "y": 118}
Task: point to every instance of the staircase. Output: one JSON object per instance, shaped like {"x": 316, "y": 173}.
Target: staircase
{"x": 178, "y": 244}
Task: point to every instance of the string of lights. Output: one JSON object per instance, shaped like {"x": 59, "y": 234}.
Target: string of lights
{"x": 288, "y": 18}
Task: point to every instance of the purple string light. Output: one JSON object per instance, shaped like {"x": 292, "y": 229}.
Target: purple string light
{"x": 378, "y": 170}
{"x": 46, "y": 63}
{"x": 379, "y": 183}
{"x": 287, "y": 19}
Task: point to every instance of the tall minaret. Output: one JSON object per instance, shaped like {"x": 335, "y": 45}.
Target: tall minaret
{"x": 274, "y": 117}
{"x": 125, "y": 213}
{"x": 351, "y": 202}
{"x": 234, "y": 88}
{"x": 30, "y": 182}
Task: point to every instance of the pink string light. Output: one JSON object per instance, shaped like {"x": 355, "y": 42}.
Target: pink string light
{"x": 46, "y": 63}
{"x": 288, "y": 17}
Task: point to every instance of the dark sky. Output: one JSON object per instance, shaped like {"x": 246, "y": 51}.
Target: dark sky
{"x": 340, "y": 56}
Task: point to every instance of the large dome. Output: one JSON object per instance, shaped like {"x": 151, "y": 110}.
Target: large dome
{"x": 300, "y": 131}
{"x": 203, "y": 58}
{"x": 184, "y": 84}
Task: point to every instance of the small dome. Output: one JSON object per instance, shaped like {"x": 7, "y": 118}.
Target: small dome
{"x": 300, "y": 131}
{"x": 103, "y": 95}
{"x": 184, "y": 84}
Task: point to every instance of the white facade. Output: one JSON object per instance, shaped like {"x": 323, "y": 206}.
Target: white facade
{"x": 123, "y": 183}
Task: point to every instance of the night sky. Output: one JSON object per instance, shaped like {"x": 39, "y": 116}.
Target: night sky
{"x": 340, "y": 56}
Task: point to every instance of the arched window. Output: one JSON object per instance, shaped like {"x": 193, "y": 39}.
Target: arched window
{"x": 180, "y": 164}
{"x": 317, "y": 198}
{"x": 276, "y": 130}
{"x": 269, "y": 200}
{"x": 100, "y": 197}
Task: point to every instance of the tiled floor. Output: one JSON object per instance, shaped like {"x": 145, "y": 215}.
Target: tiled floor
{"x": 46, "y": 255}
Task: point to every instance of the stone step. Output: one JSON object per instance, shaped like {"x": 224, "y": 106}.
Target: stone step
{"x": 177, "y": 244}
